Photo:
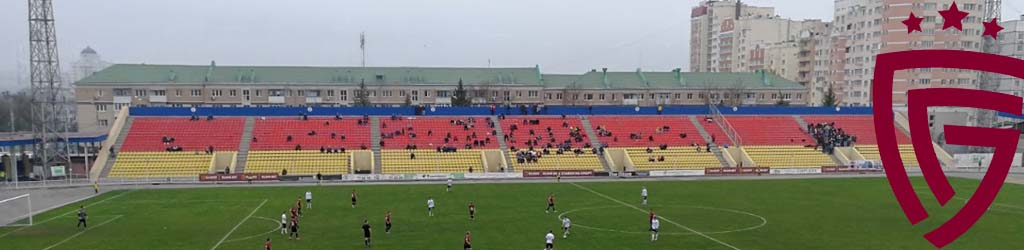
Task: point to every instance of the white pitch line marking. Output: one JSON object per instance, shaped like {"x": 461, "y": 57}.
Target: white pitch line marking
{"x": 276, "y": 227}
{"x": 662, "y": 217}
{"x": 238, "y": 225}
{"x": 82, "y": 232}
{"x": 66, "y": 214}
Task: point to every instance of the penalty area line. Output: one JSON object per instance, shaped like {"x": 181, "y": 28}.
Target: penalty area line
{"x": 68, "y": 213}
{"x": 662, "y": 217}
{"x": 238, "y": 225}
{"x": 82, "y": 232}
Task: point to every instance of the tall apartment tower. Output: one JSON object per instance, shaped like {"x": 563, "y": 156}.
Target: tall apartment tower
{"x": 866, "y": 28}
{"x": 1011, "y": 43}
{"x": 715, "y": 37}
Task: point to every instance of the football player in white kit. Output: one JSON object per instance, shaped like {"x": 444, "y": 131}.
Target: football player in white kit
{"x": 309, "y": 199}
{"x": 655, "y": 224}
{"x": 284, "y": 223}
{"x": 430, "y": 206}
{"x": 643, "y": 196}
{"x": 549, "y": 241}
{"x": 566, "y": 225}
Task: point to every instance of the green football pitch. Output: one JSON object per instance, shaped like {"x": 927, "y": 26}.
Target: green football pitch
{"x": 848, "y": 213}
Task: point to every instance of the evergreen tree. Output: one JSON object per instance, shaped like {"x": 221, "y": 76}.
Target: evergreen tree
{"x": 362, "y": 95}
{"x": 460, "y": 98}
{"x": 830, "y": 98}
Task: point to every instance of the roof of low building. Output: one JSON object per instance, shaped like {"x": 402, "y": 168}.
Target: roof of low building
{"x": 128, "y": 74}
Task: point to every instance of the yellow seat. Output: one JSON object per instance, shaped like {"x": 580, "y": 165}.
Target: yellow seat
{"x": 431, "y": 161}
{"x": 675, "y": 158}
{"x": 160, "y": 164}
{"x": 788, "y": 156}
{"x": 297, "y": 162}
{"x": 870, "y": 152}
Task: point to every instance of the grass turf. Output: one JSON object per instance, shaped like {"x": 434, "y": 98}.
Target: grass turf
{"x": 853, "y": 213}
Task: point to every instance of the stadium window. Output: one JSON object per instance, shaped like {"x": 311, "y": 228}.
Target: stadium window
{"x": 558, "y": 96}
{"x": 678, "y": 95}
{"x": 532, "y": 93}
{"x": 401, "y": 93}
{"x": 232, "y": 92}
{"x": 217, "y": 92}
{"x": 519, "y": 93}
{"x": 689, "y": 95}
{"x": 575, "y": 96}
{"x": 302, "y": 92}
{"x": 160, "y": 92}
{"x": 197, "y": 92}
{"x": 600, "y": 96}
{"x": 101, "y": 107}
{"x": 103, "y": 123}
{"x": 99, "y": 93}
{"x": 258, "y": 93}
{"x": 547, "y": 96}
{"x": 442, "y": 93}
{"x": 122, "y": 92}
{"x": 140, "y": 92}
{"x": 373, "y": 93}
{"x": 343, "y": 94}
{"x": 330, "y": 92}
{"x": 494, "y": 93}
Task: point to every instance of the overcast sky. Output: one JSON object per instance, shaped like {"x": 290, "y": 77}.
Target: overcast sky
{"x": 562, "y": 36}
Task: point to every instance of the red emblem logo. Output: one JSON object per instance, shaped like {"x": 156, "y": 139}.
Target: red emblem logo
{"x": 1003, "y": 140}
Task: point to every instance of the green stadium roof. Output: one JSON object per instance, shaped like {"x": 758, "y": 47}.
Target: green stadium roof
{"x": 526, "y": 76}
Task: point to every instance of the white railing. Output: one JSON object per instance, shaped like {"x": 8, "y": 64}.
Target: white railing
{"x": 725, "y": 125}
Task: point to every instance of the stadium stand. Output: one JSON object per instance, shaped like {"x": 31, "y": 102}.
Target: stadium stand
{"x": 298, "y": 162}
{"x": 145, "y": 152}
{"x": 645, "y": 131}
{"x": 146, "y": 134}
{"x": 715, "y": 131}
{"x": 431, "y": 132}
{"x": 778, "y": 141}
{"x": 273, "y": 133}
{"x": 517, "y": 130}
{"x": 863, "y": 127}
{"x": 769, "y": 130}
{"x": 431, "y": 161}
{"x": 553, "y": 161}
{"x": 870, "y": 152}
{"x": 672, "y": 158}
{"x": 160, "y": 164}
{"x": 788, "y": 156}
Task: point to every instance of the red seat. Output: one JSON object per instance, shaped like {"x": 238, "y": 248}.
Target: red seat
{"x": 715, "y": 131}
{"x": 559, "y": 132}
{"x": 147, "y": 133}
{"x": 272, "y": 133}
{"x": 861, "y": 126}
{"x": 622, "y": 126}
{"x": 431, "y": 132}
{"x": 769, "y": 130}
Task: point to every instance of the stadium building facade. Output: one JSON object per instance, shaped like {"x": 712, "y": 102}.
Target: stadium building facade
{"x": 103, "y": 93}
